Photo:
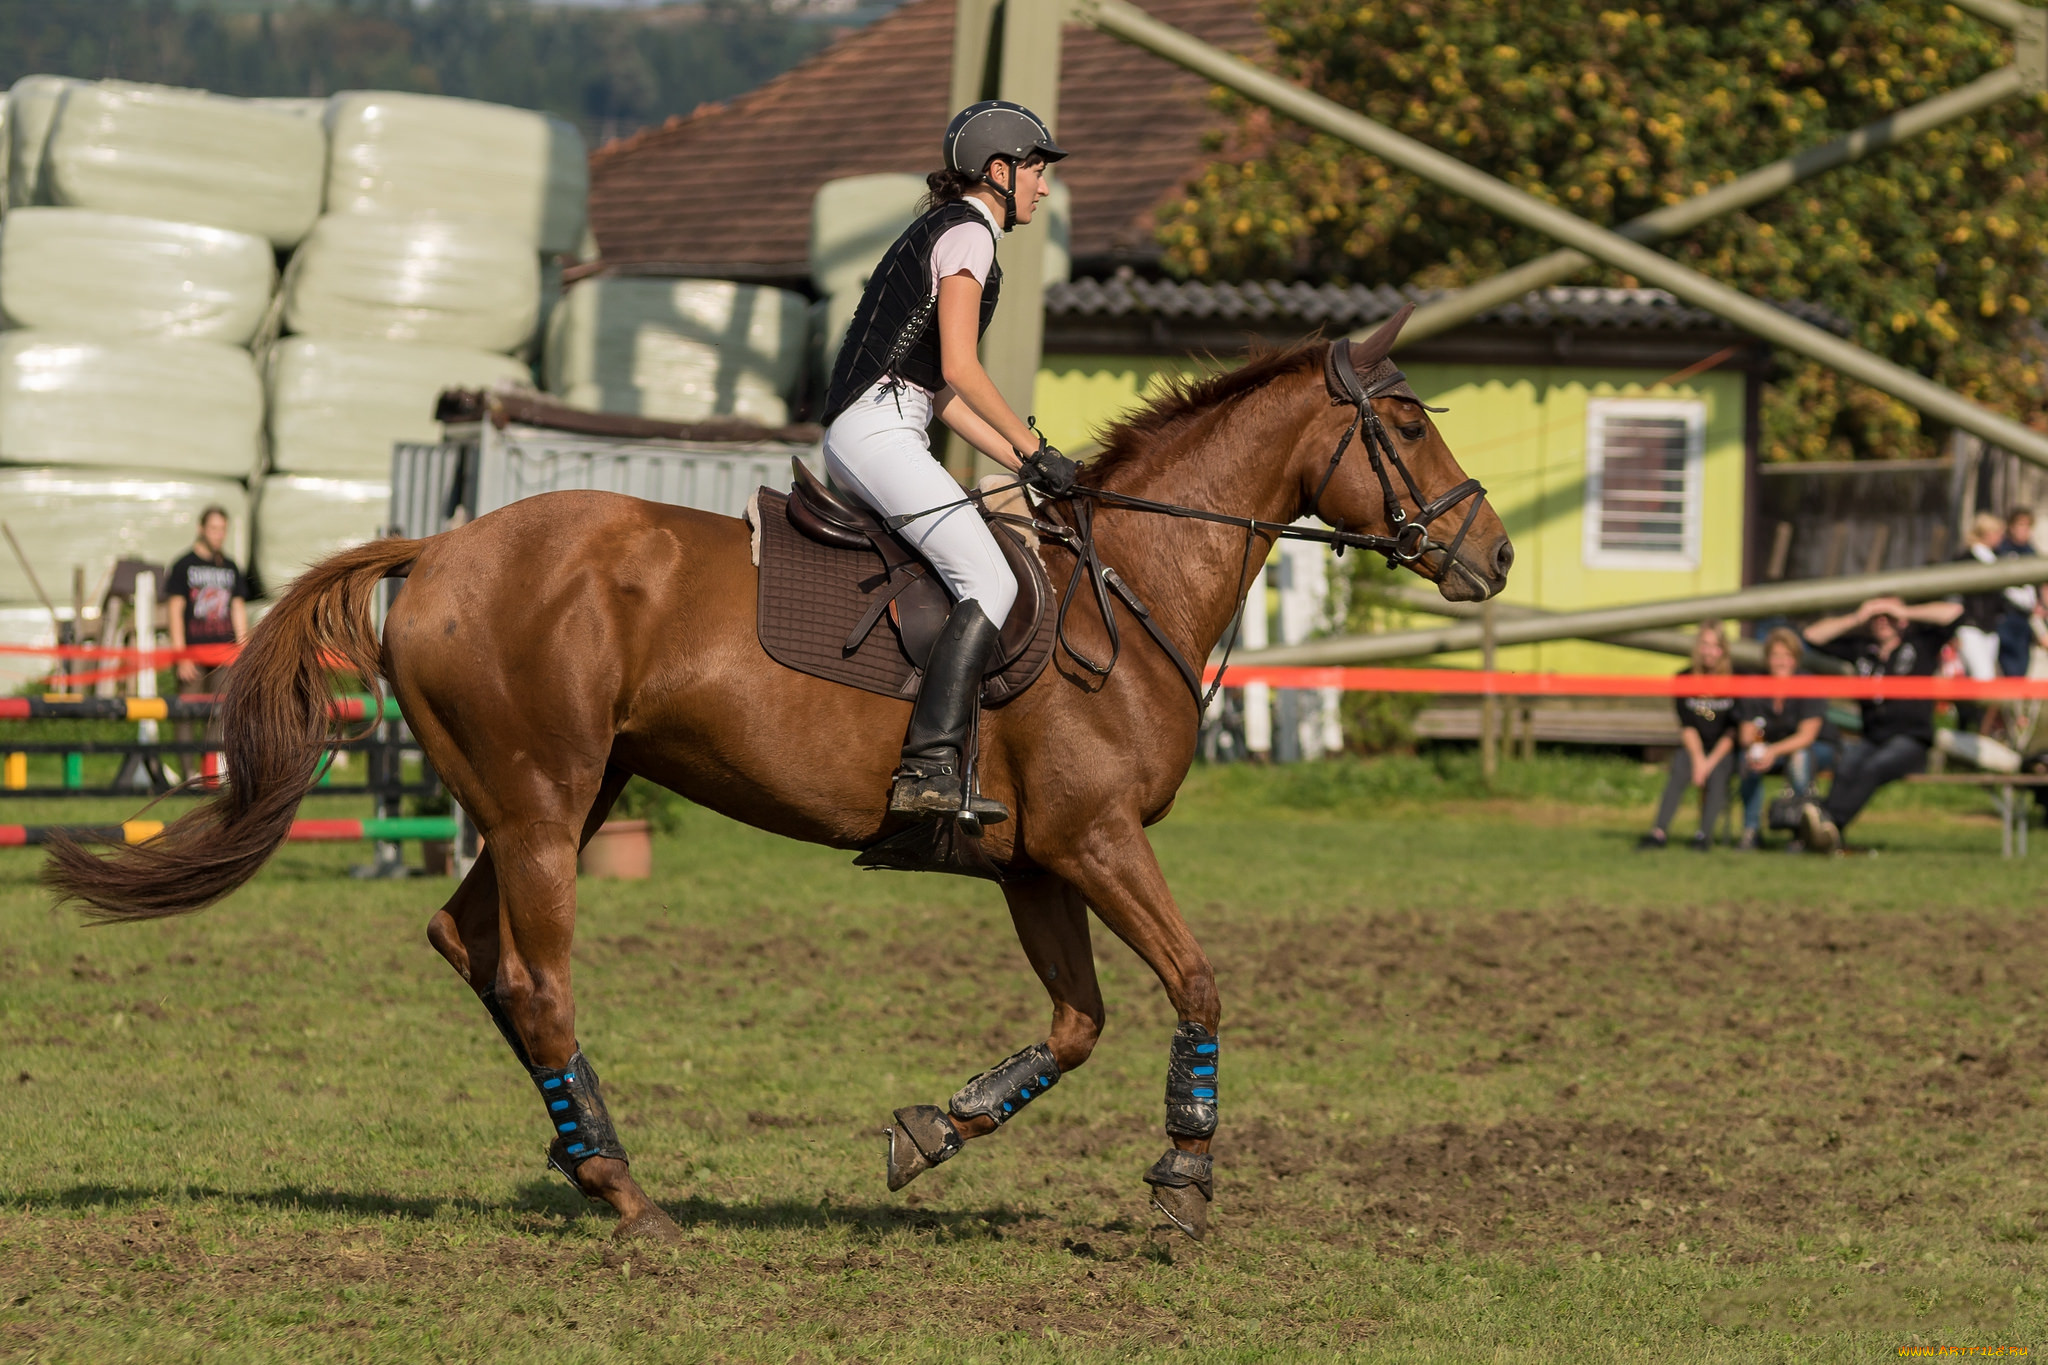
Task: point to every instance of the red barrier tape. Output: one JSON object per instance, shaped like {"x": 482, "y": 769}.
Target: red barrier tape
{"x": 1472, "y": 682}
{"x": 198, "y": 654}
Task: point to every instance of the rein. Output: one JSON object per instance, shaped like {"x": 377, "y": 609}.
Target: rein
{"x": 1408, "y": 543}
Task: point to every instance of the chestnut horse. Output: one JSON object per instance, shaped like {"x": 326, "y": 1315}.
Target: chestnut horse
{"x": 546, "y": 653}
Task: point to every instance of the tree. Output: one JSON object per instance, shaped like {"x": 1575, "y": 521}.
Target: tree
{"x": 611, "y": 72}
{"x": 1934, "y": 251}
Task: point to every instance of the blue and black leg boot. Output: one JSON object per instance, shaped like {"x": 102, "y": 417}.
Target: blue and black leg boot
{"x": 583, "y": 1128}
{"x": 1183, "y": 1183}
{"x": 925, "y": 1135}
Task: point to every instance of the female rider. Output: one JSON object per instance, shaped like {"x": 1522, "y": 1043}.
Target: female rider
{"x": 910, "y": 352}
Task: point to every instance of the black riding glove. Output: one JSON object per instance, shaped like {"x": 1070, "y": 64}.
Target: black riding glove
{"x": 1049, "y": 472}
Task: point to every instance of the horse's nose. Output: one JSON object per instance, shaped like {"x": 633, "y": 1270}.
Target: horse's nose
{"x": 1503, "y": 559}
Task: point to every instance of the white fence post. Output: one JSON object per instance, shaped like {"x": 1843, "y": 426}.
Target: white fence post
{"x": 1258, "y": 697}
{"x": 1304, "y": 591}
{"x": 145, "y": 642}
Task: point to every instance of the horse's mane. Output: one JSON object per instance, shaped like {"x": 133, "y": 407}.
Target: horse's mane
{"x": 1136, "y": 438}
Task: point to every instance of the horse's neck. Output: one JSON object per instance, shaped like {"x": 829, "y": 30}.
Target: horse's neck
{"x": 1235, "y": 459}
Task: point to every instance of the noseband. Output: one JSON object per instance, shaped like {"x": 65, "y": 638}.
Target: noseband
{"x": 1410, "y": 539}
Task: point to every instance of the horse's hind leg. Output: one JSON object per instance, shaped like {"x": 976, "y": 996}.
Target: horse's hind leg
{"x": 507, "y": 931}
{"x": 1113, "y": 866}
{"x": 1052, "y": 926}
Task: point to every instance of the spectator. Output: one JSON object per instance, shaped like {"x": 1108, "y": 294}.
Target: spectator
{"x": 1780, "y": 735}
{"x": 1882, "y": 638}
{"x": 1706, "y": 738}
{"x": 1977, "y": 641}
{"x": 2016, "y": 625}
{"x": 208, "y": 599}
{"x": 1977, "y": 632}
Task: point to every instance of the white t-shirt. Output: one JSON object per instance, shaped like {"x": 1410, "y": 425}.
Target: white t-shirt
{"x": 967, "y": 247}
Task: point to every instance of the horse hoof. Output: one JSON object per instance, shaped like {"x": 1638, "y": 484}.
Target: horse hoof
{"x": 906, "y": 1163}
{"x": 1186, "y": 1207}
{"x": 649, "y": 1225}
{"x": 921, "y": 1137}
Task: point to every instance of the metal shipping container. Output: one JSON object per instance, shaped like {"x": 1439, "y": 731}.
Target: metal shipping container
{"x": 480, "y": 467}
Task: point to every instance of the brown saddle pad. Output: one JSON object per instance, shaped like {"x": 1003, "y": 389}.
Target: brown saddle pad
{"x": 814, "y": 596}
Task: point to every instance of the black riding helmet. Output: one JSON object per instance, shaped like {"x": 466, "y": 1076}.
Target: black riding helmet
{"x": 982, "y": 132}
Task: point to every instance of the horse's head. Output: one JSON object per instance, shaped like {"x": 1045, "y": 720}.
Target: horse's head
{"x": 1379, "y": 466}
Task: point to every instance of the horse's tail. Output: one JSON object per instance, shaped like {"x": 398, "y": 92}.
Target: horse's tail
{"x": 273, "y": 723}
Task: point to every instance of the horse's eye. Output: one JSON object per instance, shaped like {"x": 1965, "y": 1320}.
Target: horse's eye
{"x": 1412, "y": 432}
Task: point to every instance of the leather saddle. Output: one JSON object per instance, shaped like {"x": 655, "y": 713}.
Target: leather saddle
{"x": 833, "y": 559}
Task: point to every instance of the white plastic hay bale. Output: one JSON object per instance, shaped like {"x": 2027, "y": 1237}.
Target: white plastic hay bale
{"x": 187, "y": 406}
{"x": 31, "y": 109}
{"x": 403, "y": 154}
{"x": 116, "y": 276}
{"x": 336, "y": 407}
{"x": 680, "y": 350}
{"x": 300, "y": 520}
{"x": 441, "y": 281}
{"x": 92, "y": 517}
{"x": 189, "y": 156}
{"x": 298, "y": 106}
{"x": 853, "y": 221}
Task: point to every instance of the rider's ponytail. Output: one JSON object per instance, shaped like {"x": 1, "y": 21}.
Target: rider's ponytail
{"x": 943, "y": 187}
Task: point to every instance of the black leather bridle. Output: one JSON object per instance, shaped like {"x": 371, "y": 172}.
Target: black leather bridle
{"x": 1410, "y": 540}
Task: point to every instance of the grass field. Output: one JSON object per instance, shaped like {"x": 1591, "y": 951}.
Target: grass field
{"x": 1495, "y": 1087}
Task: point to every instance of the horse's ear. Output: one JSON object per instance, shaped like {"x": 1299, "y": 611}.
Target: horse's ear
{"x": 1375, "y": 348}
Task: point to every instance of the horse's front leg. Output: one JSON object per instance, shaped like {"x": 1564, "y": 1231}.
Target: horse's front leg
{"x": 1052, "y": 925}
{"x": 1114, "y": 868}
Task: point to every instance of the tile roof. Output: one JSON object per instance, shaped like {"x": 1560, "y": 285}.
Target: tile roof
{"x": 727, "y": 191}
{"x": 1338, "y": 307}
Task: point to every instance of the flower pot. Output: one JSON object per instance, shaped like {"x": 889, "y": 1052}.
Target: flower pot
{"x": 437, "y": 857}
{"x": 620, "y": 848}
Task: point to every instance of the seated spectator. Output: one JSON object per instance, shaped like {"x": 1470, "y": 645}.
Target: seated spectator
{"x": 1977, "y": 641}
{"x": 1882, "y": 638}
{"x": 1706, "y": 739}
{"x": 1780, "y": 735}
{"x": 2016, "y": 625}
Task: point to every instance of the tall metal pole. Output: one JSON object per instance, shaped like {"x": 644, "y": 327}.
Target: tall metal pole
{"x": 1753, "y": 188}
{"x": 1602, "y": 623}
{"x": 976, "y": 43}
{"x": 1133, "y": 25}
{"x": 1010, "y": 49}
{"x": 1489, "y": 709}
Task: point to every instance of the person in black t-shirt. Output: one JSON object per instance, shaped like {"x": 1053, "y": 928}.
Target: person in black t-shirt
{"x": 207, "y": 595}
{"x": 1882, "y": 638}
{"x": 1779, "y": 735}
{"x": 1706, "y": 738}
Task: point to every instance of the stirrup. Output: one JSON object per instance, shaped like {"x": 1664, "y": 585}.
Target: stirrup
{"x": 927, "y": 790}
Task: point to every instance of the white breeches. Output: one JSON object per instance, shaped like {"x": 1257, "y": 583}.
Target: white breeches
{"x": 879, "y": 451}
{"x": 1979, "y": 649}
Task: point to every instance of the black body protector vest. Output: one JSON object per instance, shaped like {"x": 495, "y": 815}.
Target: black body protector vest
{"x": 895, "y": 330}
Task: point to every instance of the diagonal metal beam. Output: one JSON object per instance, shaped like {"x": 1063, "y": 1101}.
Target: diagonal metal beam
{"x": 1604, "y": 623}
{"x": 1124, "y": 20}
{"x": 1753, "y": 188}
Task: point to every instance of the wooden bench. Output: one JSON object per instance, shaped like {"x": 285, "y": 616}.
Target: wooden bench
{"x": 2012, "y": 809}
{"x": 1555, "y": 724}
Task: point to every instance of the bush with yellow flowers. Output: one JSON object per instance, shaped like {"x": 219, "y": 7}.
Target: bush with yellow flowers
{"x": 1935, "y": 251}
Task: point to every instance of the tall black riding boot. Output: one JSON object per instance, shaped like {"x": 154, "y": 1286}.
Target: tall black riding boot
{"x": 932, "y": 779}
